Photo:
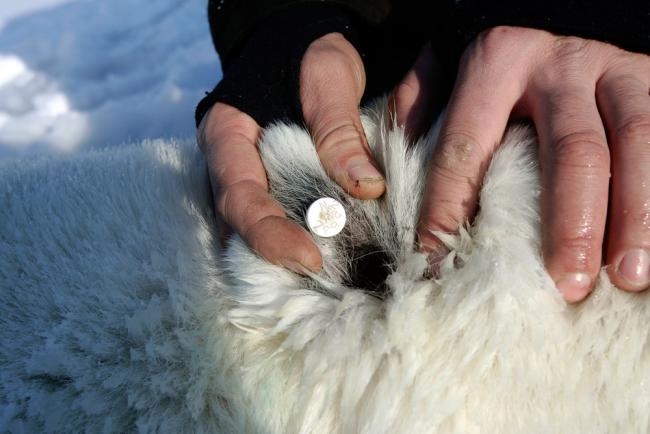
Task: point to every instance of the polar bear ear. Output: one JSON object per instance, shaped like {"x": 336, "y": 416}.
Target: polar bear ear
{"x": 378, "y": 232}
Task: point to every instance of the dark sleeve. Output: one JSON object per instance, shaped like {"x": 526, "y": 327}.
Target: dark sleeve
{"x": 625, "y": 23}
{"x": 261, "y": 78}
{"x": 232, "y": 21}
{"x": 261, "y": 64}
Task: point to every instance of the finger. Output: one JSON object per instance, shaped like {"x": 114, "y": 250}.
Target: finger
{"x": 575, "y": 176}
{"x": 411, "y": 101}
{"x": 476, "y": 118}
{"x": 625, "y": 105}
{"x": 332, "y": 81}
{"x": 228, "y": 137}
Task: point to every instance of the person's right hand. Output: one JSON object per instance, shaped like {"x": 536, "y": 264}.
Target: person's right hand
{"x": 590, "y": 105}
{"x": 332, "y": 81}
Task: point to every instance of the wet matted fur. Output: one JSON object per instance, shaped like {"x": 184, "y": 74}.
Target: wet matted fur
{"x": 119, "y": 311}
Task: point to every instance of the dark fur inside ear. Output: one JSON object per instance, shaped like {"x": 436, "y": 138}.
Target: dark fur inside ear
{"x": 364, "y": 254}
{"x": 368, "y": 264}
{"x": 369, "y": 267}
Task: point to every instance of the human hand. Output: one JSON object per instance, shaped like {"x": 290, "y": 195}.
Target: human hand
{"x": 332, "y": 81}
{"x": 582, "y": 95}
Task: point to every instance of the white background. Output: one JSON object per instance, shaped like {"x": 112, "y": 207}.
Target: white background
{"x": 77, "y": 74}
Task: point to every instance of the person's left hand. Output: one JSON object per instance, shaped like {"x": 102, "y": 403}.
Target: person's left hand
{"x": 588, "y": 100}
{"x": 332, "y": 81}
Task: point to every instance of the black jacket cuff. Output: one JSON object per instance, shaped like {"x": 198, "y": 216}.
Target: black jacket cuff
{"x": 625, "y": 23}
{"x": 263, "y": 81}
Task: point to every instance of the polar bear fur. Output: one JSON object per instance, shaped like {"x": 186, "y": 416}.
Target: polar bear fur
{"x": 119, "y": 310}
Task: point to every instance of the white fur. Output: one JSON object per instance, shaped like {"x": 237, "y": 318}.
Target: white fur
{"x": 120, "y": 312}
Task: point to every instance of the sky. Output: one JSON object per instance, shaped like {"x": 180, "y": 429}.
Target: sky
{"x": 78, "y": 74}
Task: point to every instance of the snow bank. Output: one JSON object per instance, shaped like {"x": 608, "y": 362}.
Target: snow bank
{"x": 100, "y": 73}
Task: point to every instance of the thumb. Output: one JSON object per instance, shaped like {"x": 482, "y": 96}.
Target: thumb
{"x": 332, "y": 81}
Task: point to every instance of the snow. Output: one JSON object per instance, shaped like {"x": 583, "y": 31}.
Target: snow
{"x": 12, "y": 9}
{"x": 94, "y": 73}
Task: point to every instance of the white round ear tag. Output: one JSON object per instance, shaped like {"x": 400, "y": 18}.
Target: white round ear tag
{"x": 326, "y": 217}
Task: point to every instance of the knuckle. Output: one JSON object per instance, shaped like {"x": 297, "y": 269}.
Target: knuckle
{"x": 619, "y": 62}
{"x": 226, "y": 124}
{"x": 486, "y": 53}
{"x": 621, "y": 85}
{"x": 334, "y": 38}
{"x": 323, "y": 66}
{"x": 582, "y": 149}
{"x": 635, "y": 128}
{"x": 255, "y": 235}
{"x": 568, "y": 62}
{"x": 234, "y": 138}
{"x": 229, "y": 128}
{"x": 639, "y": 221}
{"x": 222, "y": 113}
{"x": 332, "y": 58}
{"x": 492, "y": 39}
{"x": 351, "y": 157}
{"x": 330, "y": 44}
{"x": 333, "y": 134}
{"x": 579, "y": 59}
{"x": 641, "y": 63}
{"x": 571, "y": 47}
{"x": 459, "y": 148}
{"x": 580, "y": 240}
{"x": 238, "y": 203}
{"x": 225, "y": 198}
{"x": 578, "y": 247}
{"x": 505, "y": 45}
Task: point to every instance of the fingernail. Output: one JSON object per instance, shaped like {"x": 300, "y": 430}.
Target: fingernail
{"x": 364, "y": 172}
{"x": 574, "y": 286}
{"x": 635, "y": 267}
